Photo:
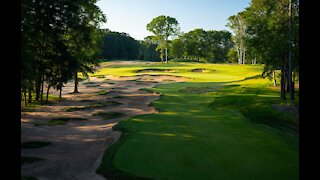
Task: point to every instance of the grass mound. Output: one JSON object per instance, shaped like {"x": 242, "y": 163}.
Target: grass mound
{"x": 109, "y": 115}
{"x": 28, "y": 178}
{"x": 154, "y": 70}
{"x": 87, "y": 100}
{"x": 101, "y": 93}
{"x": 91, "y": 106}
{"x": 88, "y": 83}
{"x": 99, "y": 76}
{"x": 202, "y": 70}
{"x": 29, "y": 159}
{"x": 199, "y": 90}
{"x": 94, "y": 85}
{"x": 35, "y": 144}
{"x": 63, "y": 120}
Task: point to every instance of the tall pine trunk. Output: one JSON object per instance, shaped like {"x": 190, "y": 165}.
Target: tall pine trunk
{"x": 288, "y": 81}
{"x": 283, "y": 82}
{"x": 291, "y": 85}
{"x": 38, "y": 88}
{"x": 42, "y": 89}
{"x": 244, "y": 57}
{"x": 30, "y": 91}
{"x": 60, "y": 93}
{"x": 274, "y": 78}
{"x": 59, "y": 87}
{"x": 75, "y": 83}
{"x": 25, "y": 97}
{"x": 47, "y": 93}
{"x": 240, "y": 57}
{"x": 166, "y": 55}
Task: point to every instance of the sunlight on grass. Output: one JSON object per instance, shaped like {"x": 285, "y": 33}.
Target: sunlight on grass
{"x": 218, "y": 124}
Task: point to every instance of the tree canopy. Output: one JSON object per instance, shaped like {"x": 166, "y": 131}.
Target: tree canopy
{"x": 163, "y": 27}
{"x": 58, "y": 40}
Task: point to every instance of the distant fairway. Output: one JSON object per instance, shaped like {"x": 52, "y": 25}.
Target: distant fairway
{"x": 219, "y": 124}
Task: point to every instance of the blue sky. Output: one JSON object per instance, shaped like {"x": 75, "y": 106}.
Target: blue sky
{"x": 132, "y": 16}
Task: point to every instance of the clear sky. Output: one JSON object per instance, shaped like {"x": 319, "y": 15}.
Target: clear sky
{"x": 132, "y": 16}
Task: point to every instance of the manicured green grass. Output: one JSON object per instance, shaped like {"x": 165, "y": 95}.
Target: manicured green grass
{"x": 218, "y": 125}
{"x": 35, "y": 144}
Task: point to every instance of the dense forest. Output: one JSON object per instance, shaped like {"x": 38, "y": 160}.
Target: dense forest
{"x": 119, "y": 46}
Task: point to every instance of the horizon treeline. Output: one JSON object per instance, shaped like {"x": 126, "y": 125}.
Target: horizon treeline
{"x": 208, "y": 46}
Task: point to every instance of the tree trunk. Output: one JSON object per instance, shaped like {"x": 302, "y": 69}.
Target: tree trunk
{"x": 244, "y": 57}
{"x": 238, "y": 53}
{"x": 288, "y": 81}
{"x": 25, "y": 97}
{"x": 283, "y": 83}
{"x": 255, "y": 59}
{"x": 166, "y": 55}
{"x": 47, "y": 93}
{"x": 291, "y": 85}
{"x": 30, "y": 92}
{"x": 38, "y": 88}
{"x": 42, "y": 87}
{"x": 60, "y": 93}
{"x": 274, "y": 78}
{"x": 240, "y": 57}
{"x": 75, "y": 83}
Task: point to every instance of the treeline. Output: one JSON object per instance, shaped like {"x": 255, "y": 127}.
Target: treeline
{"x": 200, "y": 45}
{"x": 119, "y": 45}
{"x": 58, "y": 40}
{"x": 268, "y": 30}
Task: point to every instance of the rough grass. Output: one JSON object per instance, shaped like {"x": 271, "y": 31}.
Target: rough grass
{"x": 29, "y": 160}
{"x": 28, "y": 178}
{"x": 92, "y": 106}
{"x": 206, "y": 132}
{"x": 35, "y": 105}
{"x": 35, "y": 144}
{"x": 88, "y": 83}
{"x": 101, "y": 93}
{"x": 87, "y": 100}
{"x": 63, "y": 120}
{"x": 100, "y": 76}
{"x": 109, "y": 115}
{"x": 94, "y": 85}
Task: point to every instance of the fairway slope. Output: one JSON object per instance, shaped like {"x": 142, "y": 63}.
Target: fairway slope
{"x": 209, "y": 127}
